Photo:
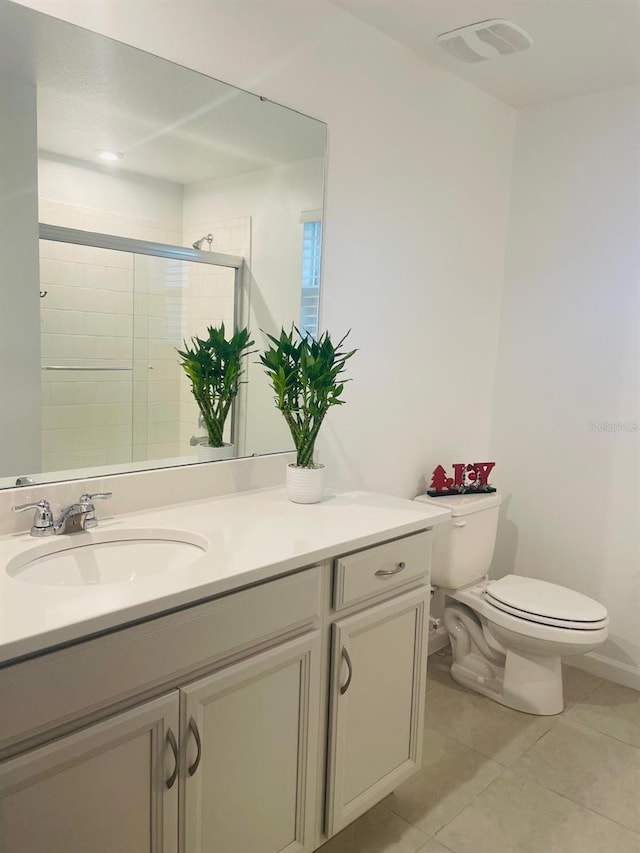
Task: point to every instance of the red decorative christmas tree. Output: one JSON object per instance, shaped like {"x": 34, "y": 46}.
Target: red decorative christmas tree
{"x": 439, "y": 480}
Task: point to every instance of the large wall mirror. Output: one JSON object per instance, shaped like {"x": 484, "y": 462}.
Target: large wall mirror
{"x": 209, "y": 211}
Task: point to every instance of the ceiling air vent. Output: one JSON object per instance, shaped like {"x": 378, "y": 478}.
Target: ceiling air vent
{"x": 485, "y": 40}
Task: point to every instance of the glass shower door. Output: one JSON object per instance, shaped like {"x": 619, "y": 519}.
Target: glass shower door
{"x": 86, "y": 315}
{"x": 113, "y": 312}
{"x": 174, "y": 300}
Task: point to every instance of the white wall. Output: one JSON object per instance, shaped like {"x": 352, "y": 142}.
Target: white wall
{"x": 19, "y": 300}
{"x": 417, "y": 197}
{"x": 77, "y": 196}
{"x": 569, "y": 359}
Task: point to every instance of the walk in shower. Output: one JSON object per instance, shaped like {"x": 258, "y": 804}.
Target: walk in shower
{"x": 113, "y": 311}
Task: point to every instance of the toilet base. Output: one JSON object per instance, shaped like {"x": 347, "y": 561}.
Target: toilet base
{"x": 533, "y": 683}
{"x": 519, "y": 678}
{"x": 530, "y": 686}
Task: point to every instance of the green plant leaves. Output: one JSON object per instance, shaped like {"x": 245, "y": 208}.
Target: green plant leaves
{"x": 304, "y": 376}
{"x": 214, "y": 367}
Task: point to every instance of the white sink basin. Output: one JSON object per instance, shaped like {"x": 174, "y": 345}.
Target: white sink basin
{"x": 107, "y": 557}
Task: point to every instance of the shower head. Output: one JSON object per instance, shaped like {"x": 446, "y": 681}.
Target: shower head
{"x": 198, "y": 243}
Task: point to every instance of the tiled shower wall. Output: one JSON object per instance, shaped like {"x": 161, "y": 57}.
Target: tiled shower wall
{"x": 86, "y": 319}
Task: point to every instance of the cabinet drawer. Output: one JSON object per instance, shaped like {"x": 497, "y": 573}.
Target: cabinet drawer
{"x": 51, "y": 691}
{"x": 374, "y": 571}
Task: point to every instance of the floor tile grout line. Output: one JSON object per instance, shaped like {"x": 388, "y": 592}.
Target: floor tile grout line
{"x": 592, "y": 728}
{"x": 442, "y": 844}
{"x": 484, "y": 755}
{"x": 582, "y": 724}
{"x": 473, "y": 749}
{"x": 427, "y": 837}
{"x": 474, "y": 798}
{"x": 465, "y": 745}
{"x": 536, "y": 742}
{"x": 534, "y": 781}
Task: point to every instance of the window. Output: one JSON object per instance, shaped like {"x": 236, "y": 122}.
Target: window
{"x": 310, "y": 301}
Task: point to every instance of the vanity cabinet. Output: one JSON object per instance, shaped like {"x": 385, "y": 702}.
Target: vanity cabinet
{"x": 103, "y": 788}
{"x": 261, "y": 721}
{"x": 377, "y": 704}
{"x": 249, "y": 746}
{"x": 236, "y": 750}
{"x": 244, "y": 736}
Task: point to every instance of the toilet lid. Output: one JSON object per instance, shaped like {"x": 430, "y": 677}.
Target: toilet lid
{"x": 538, "y": 600}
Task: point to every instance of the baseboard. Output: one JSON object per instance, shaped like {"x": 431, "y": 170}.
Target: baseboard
{"x": 438, "y": 639}
{"x": 612, "y": 670}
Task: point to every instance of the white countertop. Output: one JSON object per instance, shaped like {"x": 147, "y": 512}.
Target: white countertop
{"x": 251, "y": 536}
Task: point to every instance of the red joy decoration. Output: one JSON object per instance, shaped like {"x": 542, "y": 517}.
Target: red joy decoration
{"x": 467, "y": 477}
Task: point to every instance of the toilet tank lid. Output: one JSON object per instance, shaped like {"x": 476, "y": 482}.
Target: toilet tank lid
{"x": 542, "y": 598}
{"x": 464, "y": 504}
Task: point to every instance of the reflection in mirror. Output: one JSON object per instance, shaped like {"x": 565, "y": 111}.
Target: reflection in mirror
{"x": 209, "y": 210}
{"x": 110, "y": 389}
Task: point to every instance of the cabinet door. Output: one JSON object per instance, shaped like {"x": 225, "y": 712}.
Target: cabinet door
{"x": 250, "y": 742}
{"x": 378, "y": 673}
{"x": 103, "y": 789}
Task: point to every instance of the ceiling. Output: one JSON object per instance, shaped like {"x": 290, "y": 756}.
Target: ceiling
{"x": 169, "y": 122}
{"x": 579, "y": 46}
{"x": 174, "y": 124}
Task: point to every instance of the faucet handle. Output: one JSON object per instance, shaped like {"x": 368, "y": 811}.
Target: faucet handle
{"x": 97, "y": 496}
{"x": 86, "y": 502}
{"x": 43, "y": 518}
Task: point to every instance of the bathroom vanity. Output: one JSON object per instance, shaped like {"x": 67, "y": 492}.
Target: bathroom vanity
{"x": 257, "y": 700}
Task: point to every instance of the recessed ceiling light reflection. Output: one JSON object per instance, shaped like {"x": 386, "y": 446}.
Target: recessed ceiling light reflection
{"x": 110, "y": 156}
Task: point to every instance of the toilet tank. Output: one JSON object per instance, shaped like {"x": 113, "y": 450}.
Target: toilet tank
{"x": 463, "y": 546}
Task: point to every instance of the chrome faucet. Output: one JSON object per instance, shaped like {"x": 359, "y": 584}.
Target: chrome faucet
{"x": 74, "y": 519}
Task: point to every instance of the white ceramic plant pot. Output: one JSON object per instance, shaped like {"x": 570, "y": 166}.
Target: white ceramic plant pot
{"x": 305, "y": 485}
{"x": 206, "y": 453}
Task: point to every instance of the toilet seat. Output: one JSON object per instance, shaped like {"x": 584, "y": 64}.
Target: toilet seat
{"x": 545, "y": 603}
{"x": 520, "y": 622}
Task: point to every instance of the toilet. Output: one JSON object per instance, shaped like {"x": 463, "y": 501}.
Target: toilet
{"x": 508, "y": 636}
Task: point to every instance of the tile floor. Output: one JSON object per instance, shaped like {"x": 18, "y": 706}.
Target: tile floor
{"x": 498, "y": 781}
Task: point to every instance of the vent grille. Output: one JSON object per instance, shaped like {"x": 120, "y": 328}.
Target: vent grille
{"x": 459, "y": 48}
{"x": 485, "y": 40}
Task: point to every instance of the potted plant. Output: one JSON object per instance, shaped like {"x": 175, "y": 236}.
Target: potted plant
{"x": 305, "y": 375}
{"x": 214, "y": 367}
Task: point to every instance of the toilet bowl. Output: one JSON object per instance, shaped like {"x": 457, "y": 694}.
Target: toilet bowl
{"x": 508, "y": 636}
{"x": 519, "y": 664}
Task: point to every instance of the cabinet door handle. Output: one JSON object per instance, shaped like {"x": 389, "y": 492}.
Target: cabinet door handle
{"x": 173, "y": 743}
{"x": 345, "y": 656}
{"x": 386, "y": 573}
{"x": 193, "y": 728}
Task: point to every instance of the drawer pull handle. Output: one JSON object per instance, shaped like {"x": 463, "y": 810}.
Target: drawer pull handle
{"x": 387, "y": 573}
{"x": 193, "y": 728}
{"x": 346, "y": 658}
{"x": 171, "y": 738}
